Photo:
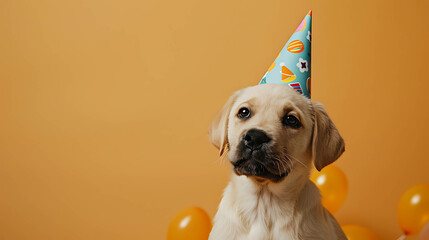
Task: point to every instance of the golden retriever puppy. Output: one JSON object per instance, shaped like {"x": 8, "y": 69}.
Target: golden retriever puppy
{"x": 272, "y": 135}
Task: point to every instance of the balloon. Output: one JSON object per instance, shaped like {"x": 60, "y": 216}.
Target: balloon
{"x": 332, "y": 183}
{"x": 356, "y": 232}
{"x": 424, "y": 233}
{"x": 191, "y": 223}
{"x": 413, "y": 209}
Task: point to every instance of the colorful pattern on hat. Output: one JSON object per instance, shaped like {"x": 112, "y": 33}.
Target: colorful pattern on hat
{"x": 293, "y": 65}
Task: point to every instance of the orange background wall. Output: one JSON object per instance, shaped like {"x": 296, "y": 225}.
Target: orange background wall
{"x": 105, "y": 106}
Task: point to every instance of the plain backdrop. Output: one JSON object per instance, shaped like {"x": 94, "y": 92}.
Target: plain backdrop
{"x": 105, "y": 106}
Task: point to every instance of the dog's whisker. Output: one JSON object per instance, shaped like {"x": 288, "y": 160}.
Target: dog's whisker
{"x": 297, "y": 160}
{"x": 280, "y": 163}
{"x": 280, "y": 166}
{"x": 288, "y": 156}
{"x": 284, "y": 168}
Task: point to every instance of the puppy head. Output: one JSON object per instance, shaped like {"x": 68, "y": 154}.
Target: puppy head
{"x": 271, "y": 130}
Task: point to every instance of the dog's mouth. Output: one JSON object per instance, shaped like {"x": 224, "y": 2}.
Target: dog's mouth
{"x": 259, "y": 170}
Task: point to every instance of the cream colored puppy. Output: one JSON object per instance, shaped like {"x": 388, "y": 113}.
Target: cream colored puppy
{"x": 271, "y": 134}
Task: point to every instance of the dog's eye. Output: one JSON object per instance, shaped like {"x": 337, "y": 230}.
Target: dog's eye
{"x": 243, "y": 113}
{"x": 291, "y": 121}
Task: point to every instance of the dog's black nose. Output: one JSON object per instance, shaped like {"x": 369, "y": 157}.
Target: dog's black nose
{"x": 254, "y": 139}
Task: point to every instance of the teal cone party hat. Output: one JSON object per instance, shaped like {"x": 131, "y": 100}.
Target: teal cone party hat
{"x": 293, "y": 65}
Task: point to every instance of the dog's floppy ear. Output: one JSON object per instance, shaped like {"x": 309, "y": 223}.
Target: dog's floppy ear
{"x": 218, "y": 130}
{"x": 328, "y": 145}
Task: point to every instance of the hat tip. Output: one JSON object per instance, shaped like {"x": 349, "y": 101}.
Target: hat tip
{"x": 309, "y": 13}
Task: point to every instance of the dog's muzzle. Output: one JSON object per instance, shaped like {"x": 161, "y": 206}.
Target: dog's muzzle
{"x": 255, "y": 157}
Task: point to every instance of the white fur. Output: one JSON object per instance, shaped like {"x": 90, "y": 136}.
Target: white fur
{"x": 291, "y": 209}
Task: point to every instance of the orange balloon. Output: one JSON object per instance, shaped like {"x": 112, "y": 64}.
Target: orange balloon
{"x": 356, "y": 232}
{"x": 424, "y": 233}
{"x": 413, "y": 209}
{"x": 332, "y": 183}
{"x": 191, "y": 223}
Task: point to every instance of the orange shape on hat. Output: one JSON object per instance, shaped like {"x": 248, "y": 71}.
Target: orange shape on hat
{"x": 287, "y": 75}
{"x": 295, "y": 46}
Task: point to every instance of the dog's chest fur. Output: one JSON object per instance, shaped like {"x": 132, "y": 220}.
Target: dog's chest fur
{"x": 265, "y": 216}
{"x": 262, "y": 215}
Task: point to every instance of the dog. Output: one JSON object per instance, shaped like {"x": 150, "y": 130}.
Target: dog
{"x": 272, "y": 135}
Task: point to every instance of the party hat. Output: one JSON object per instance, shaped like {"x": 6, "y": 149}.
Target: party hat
{"x": 293, "y": 65}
